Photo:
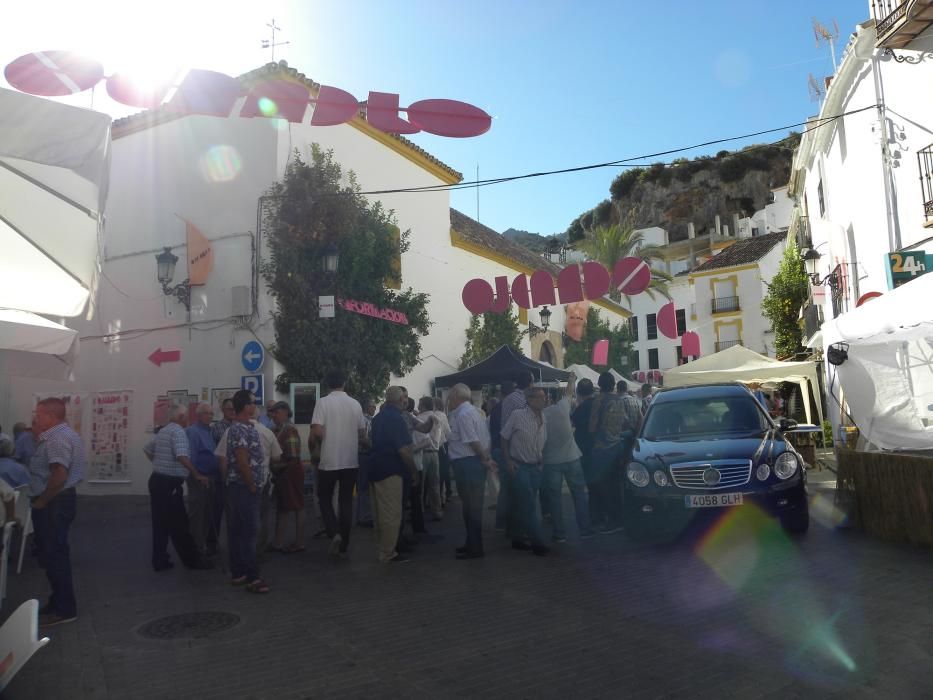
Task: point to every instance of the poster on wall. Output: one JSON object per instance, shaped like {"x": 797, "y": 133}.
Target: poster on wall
{"x": 110, "y": 430}
{"x": 74, "y": 409}
{"x": 302, "y": 398}
{"x": 218, "y": 396}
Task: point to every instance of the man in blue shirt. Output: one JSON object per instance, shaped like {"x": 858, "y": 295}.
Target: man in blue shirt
{"x": 205, "y": 502}
{"x": 56, "y": 468}
{"x": 11, "y": 471}
{"x": 391, "y": 461}
{"x": 25, "y": 445}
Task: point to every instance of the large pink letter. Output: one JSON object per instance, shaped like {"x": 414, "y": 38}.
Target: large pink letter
{"x": 520, "y": 291}
{"x": 124, "y": 89}
{"x": 278, "y": 99}
{"x": 382, "y": 113}
{"x": 333, "y": 106}
{"x": 568, "y": 284}
{"x": 477, "y": 296}
{"x": 53, "y": 73}
{"x": 449, "y": 118}
{"x": 542, "y": 288}
{"x": 595, "y": 279}
{"x": 205, "y": 92}
{"x": 503, "y": 300}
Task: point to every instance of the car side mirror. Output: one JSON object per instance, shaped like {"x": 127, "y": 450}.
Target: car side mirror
{"x": 787, "y": 424}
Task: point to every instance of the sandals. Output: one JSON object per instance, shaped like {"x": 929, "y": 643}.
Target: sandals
{"x": 257, "y": 586}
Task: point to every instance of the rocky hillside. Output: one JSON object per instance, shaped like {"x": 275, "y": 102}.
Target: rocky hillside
{"x": 672, "y": 195}
{"x": 532, "y": 241}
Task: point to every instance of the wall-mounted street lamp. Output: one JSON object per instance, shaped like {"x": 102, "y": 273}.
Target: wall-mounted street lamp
{"x": 165, "y": 271}
{"x": 331, "y": 258}
{"x": 545, "y": 316}
{"x": 811, "y": 260}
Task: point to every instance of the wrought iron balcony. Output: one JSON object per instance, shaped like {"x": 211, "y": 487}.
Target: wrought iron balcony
{"x": 812, "y": 320}
{"x": 837, "y": 282}
{"x": 723, "y": 344}
{"x": 802, "y": 233}
{"x": 925, "y": 161}
{"x": 725, "y": 304}
{"x": 898, "y": 22}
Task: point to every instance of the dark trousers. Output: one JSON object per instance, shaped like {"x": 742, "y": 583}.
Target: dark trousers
{"x": 443, "y": 469}
{"x": 51, "y": 525}
{"x": 527, "y": 483}
{"x": 416, "y": 499}
{"x": 590, "y": 475}
{"x": 205, "y": 511}
{"x": 242, "y": 531}
{"x": 607, "y": 466}
{"x": 471, "y": 487}
{"x": 327, "y": 480}
{"x": 170, "y": 520}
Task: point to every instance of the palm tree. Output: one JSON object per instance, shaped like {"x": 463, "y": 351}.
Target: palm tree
{"x": 609, "y": 243}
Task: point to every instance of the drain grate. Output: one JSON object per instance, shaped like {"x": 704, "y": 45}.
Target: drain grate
{"x": 189, "y": 625}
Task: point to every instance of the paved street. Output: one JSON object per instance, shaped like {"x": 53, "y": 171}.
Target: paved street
{"x": 741, "y": 611}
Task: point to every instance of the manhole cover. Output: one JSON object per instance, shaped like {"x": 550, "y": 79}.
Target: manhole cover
{"x": 189, "y": 625}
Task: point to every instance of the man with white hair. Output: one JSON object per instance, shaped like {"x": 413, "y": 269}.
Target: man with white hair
{"x": 468, "y": 447}
{"x": 171, "y": 465}
{"x": 205, "y": 503}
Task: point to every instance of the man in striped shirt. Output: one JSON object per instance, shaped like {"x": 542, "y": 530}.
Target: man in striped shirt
{"x": 55, "y": 470}
{"x": 170, "y": 455}
{"x": 523, "y": 438}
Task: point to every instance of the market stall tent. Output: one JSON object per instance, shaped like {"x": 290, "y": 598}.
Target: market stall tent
{"x": 739, "y": 364}
{"x": 33, "y": 346}
{"x": 54, "y": 170}
{"x": 501, "y": 366}
{"x": 887, "y": 379}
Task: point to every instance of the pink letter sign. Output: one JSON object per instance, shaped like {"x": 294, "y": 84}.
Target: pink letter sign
{"x": 366, "y": 309}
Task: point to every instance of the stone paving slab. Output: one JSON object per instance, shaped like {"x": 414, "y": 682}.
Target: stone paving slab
{"x": 715, "y": 614}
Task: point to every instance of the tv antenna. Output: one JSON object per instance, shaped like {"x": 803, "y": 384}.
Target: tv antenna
{"x": 816, "y": 90}
{"x": 823, "y": 33}
{"x": 271, "y": 43}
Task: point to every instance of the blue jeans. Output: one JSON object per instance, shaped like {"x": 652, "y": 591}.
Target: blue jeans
{"x": 51, "y": 525}
{"x": 527, "y": 487}
{"x": 242, "y": 531}
{"x": 471, "y": 487}
{"x": 554, "y": 475}
{"x": 504, "y": 506}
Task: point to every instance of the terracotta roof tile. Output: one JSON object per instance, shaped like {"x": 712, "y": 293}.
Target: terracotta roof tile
{"x": 743, "y": 252}
{"x": 478, "y": 234}
{"x": 153, "y": 117}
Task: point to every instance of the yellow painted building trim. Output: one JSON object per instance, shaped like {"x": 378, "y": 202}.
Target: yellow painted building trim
{"x": 457, "y": 241}
{"x": 722, "y": 270}
{"x": 447, "y": 176}
{"x": 737, "y": 322}
{"x": 522, "y": 316}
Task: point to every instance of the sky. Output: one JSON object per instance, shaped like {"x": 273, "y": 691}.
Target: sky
{"x": 568, "y": 83}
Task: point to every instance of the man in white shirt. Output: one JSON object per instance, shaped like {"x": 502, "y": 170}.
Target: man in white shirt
{"x": 440, "y": 432}
{"x": 338, "y": 425}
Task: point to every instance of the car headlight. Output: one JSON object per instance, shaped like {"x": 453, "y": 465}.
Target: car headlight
{"x": 660, "y": 478}
{"x": 785, "y": 465}
{"x": 763, "y": 472}
{"x": 637, "y": 474}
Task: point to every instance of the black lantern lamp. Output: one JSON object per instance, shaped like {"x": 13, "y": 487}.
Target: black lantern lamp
{"x": 545, "y": 316}
{"x": 165, "y": 272}
{"x": 331, "y": 258}
{"x": 811, "y": 259}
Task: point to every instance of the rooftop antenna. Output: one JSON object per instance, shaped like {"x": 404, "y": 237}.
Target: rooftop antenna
{"x": 816, "y": 90}
{"x": 823, "y": 33}
{"x": 271, "y": 43}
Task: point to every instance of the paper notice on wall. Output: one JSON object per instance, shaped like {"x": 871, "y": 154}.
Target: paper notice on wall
{"x": 110, "y": 431}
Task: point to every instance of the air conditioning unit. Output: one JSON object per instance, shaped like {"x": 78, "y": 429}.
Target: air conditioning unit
{"x": 240, "y": 303}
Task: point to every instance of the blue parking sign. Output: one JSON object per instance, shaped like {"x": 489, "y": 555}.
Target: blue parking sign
{"x": 253, "y": 383}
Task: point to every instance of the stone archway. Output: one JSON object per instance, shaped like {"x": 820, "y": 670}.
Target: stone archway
{"x": 547, "y": 353}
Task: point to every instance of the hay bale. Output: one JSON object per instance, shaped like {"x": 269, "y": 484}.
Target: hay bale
{"x": 891, "y": 494}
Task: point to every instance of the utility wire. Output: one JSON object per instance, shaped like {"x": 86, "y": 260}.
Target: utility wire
{"x": 633, "y": 160}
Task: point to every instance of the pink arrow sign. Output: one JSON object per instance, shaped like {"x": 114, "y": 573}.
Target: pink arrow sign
{"x": 160, "y": 356}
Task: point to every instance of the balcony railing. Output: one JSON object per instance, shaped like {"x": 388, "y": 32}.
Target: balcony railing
{"x": 898, "y": 22}
{"x": 925, "y": 161}
{"x": 723, "y": 344}
{"x": 812, "y": 320}
{"x": 804, "y": 240}
{"x": 837, "y": 288}
{"x": 725, "y": 304}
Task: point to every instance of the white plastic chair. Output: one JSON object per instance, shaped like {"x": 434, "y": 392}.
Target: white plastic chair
{"x": 19, "y": 640}
{"x": 5, "y": 557}
{"x": 24, "y": 515}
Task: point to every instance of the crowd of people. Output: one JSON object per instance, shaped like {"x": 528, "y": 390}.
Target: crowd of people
{"x": 369, "y": 469}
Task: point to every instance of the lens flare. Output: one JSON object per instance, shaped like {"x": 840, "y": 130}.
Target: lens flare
{"x": 220, "y": 163}
{"x": 267, "y": 107}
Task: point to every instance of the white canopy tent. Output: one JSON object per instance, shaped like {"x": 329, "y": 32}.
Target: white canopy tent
{"x": 632, "y": 385}
{"x": 33, "y": 346}
{"x": 887, "y": 379}
{"x": 584, "y": 372}
{"x": 739, "y": 364}
{"x": 54, "y": 170}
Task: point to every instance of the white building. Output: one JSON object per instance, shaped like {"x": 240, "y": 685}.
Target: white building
{"x": 719, "y": 281}
{"x": 862, "y": 208}
{"x": 213, "y": 172}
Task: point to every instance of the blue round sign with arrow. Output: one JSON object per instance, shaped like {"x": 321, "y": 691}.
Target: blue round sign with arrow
{"x": 252, "y": 356}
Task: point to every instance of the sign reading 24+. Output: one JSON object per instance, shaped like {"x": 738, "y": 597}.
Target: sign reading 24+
{"x": 252, "y": 356}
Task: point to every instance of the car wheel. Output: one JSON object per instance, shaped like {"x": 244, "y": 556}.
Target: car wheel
{"x": 796, "y": 521}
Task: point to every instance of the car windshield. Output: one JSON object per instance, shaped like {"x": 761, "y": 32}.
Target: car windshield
{"x": 708, "y": 417}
